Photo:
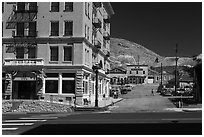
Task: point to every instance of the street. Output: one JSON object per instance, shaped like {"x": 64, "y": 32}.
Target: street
{"x": 140, "y": 99}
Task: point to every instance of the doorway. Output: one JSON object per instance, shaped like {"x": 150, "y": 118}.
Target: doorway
{"x": 24, "y": 90}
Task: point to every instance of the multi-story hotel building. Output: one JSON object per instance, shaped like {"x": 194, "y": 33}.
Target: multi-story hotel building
{"x": 49, "y": 49}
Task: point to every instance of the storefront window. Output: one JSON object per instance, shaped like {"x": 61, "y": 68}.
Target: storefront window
{"x": 68, "y": 86}
{"x": 93, "y": 88}
{"x": 51, "y": 86}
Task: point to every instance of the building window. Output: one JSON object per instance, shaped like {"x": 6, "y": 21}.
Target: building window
{"x": 100, "y": 87}
{"x": 32, "y": 29}
{"x": 86, "y": 12}
{"x": 85, "y": 85}
{"x": 54, "y": 6}
{"x": 68, "y": 31}
{"x": 19, "y": 52}
{"x": 2, "y": 7}
{"x": 68, "y": 53}
{"x": 143, "y": 72}
{"x": 20, "y": 6}
{"x": 20, "y": 29}
{"x": 51, "y": 86}
{"x": 68, "y": 6}
{"x": 68, "y": 86}
{"x": 93, "y": 87}
{"x": 54, "y": 28}
{"x": 85, "y": 31}
{"x": 31, "y": 52}
{"x": 88, "y": 32}
{"x": 53, "y": 53}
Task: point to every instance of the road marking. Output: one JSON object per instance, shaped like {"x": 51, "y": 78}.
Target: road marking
{"x": 10, "y": 128}
{"x": 24, "y": 120}
{"x": 39, "y": 118}
{"x": 178, "y": 119}
{"x": 102, "y": 112}
{"x": 59, "y": 115}
{"x": 17, "y": 124}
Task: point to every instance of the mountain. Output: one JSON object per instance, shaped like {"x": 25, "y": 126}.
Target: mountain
{"x": 125, "y": 52}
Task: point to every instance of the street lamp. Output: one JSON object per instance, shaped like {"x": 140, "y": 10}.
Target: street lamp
{"x": 95, "y": 68}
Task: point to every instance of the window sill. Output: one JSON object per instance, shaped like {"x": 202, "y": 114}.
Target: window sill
{"x": 67, "y": 62}
{"x": 67, "y": 35}
{"x": 53, "y": 35}
{"x": 53, "y": 11}
{"x": 67, "y": 10}
{"x": 53, "y": 62}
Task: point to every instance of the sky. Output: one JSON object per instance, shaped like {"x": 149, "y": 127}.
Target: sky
{"x": 160, "y": 26}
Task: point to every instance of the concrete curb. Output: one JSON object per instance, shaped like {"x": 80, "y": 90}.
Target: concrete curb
{"x": 192, "y": 109}
{"x": 96, "y": 108}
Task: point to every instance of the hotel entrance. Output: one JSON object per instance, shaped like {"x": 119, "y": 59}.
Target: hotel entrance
{"x": 24, "y": 90}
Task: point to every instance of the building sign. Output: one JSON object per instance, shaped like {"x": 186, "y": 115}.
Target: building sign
{"x": 27, "y": 62}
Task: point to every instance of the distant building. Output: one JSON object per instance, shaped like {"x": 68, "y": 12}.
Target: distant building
{"x": 49, "y": 49}
{"x": 118, "y": 76}
{"x": 137, "y": 74}
{"x": 155, "y": 76}
{"x": 185, "y": 81}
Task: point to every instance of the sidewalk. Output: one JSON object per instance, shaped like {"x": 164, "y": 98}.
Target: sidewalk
{"x": 102, "y": 105}
{"x": 192, "y": 108}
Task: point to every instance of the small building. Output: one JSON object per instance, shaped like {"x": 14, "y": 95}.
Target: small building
{"x": 137, "y": 74}
{"x": 155, "y": 76}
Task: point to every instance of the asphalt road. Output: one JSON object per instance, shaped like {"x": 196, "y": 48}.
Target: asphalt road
{"x": 99, "y": 123}
{"x": 140, "y": 99}
{"x": 161, "y": 123}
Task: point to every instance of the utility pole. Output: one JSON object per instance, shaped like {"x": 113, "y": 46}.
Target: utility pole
{"x": 95, "y": 68}
{"x": 138, "y": 62}
{"x": 161, "y": 75}
{"x": 176, "y": 69}
{"x": 96, "y": 86}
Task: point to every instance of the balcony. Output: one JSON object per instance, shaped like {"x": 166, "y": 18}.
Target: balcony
{"x": 97, "y": 22}
{"x": 106, "y": 19}
{"x": 26, "y": 33}
{"x": 33, "y": 8}
{"x": 106, "y": 36}
{"x": 24, "y": 63}
{"x": 97, "y": 4}
{"x": 97, "y": 44}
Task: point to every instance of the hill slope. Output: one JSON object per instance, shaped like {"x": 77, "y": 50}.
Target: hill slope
{"x": 125, "y": 52}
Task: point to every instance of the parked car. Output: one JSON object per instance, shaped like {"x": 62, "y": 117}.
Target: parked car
{"x": 166, "y": 92}
{"x": 180, "y": 92}
{"x": 123, "y": 90}
{"x": 128, "y": 88}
